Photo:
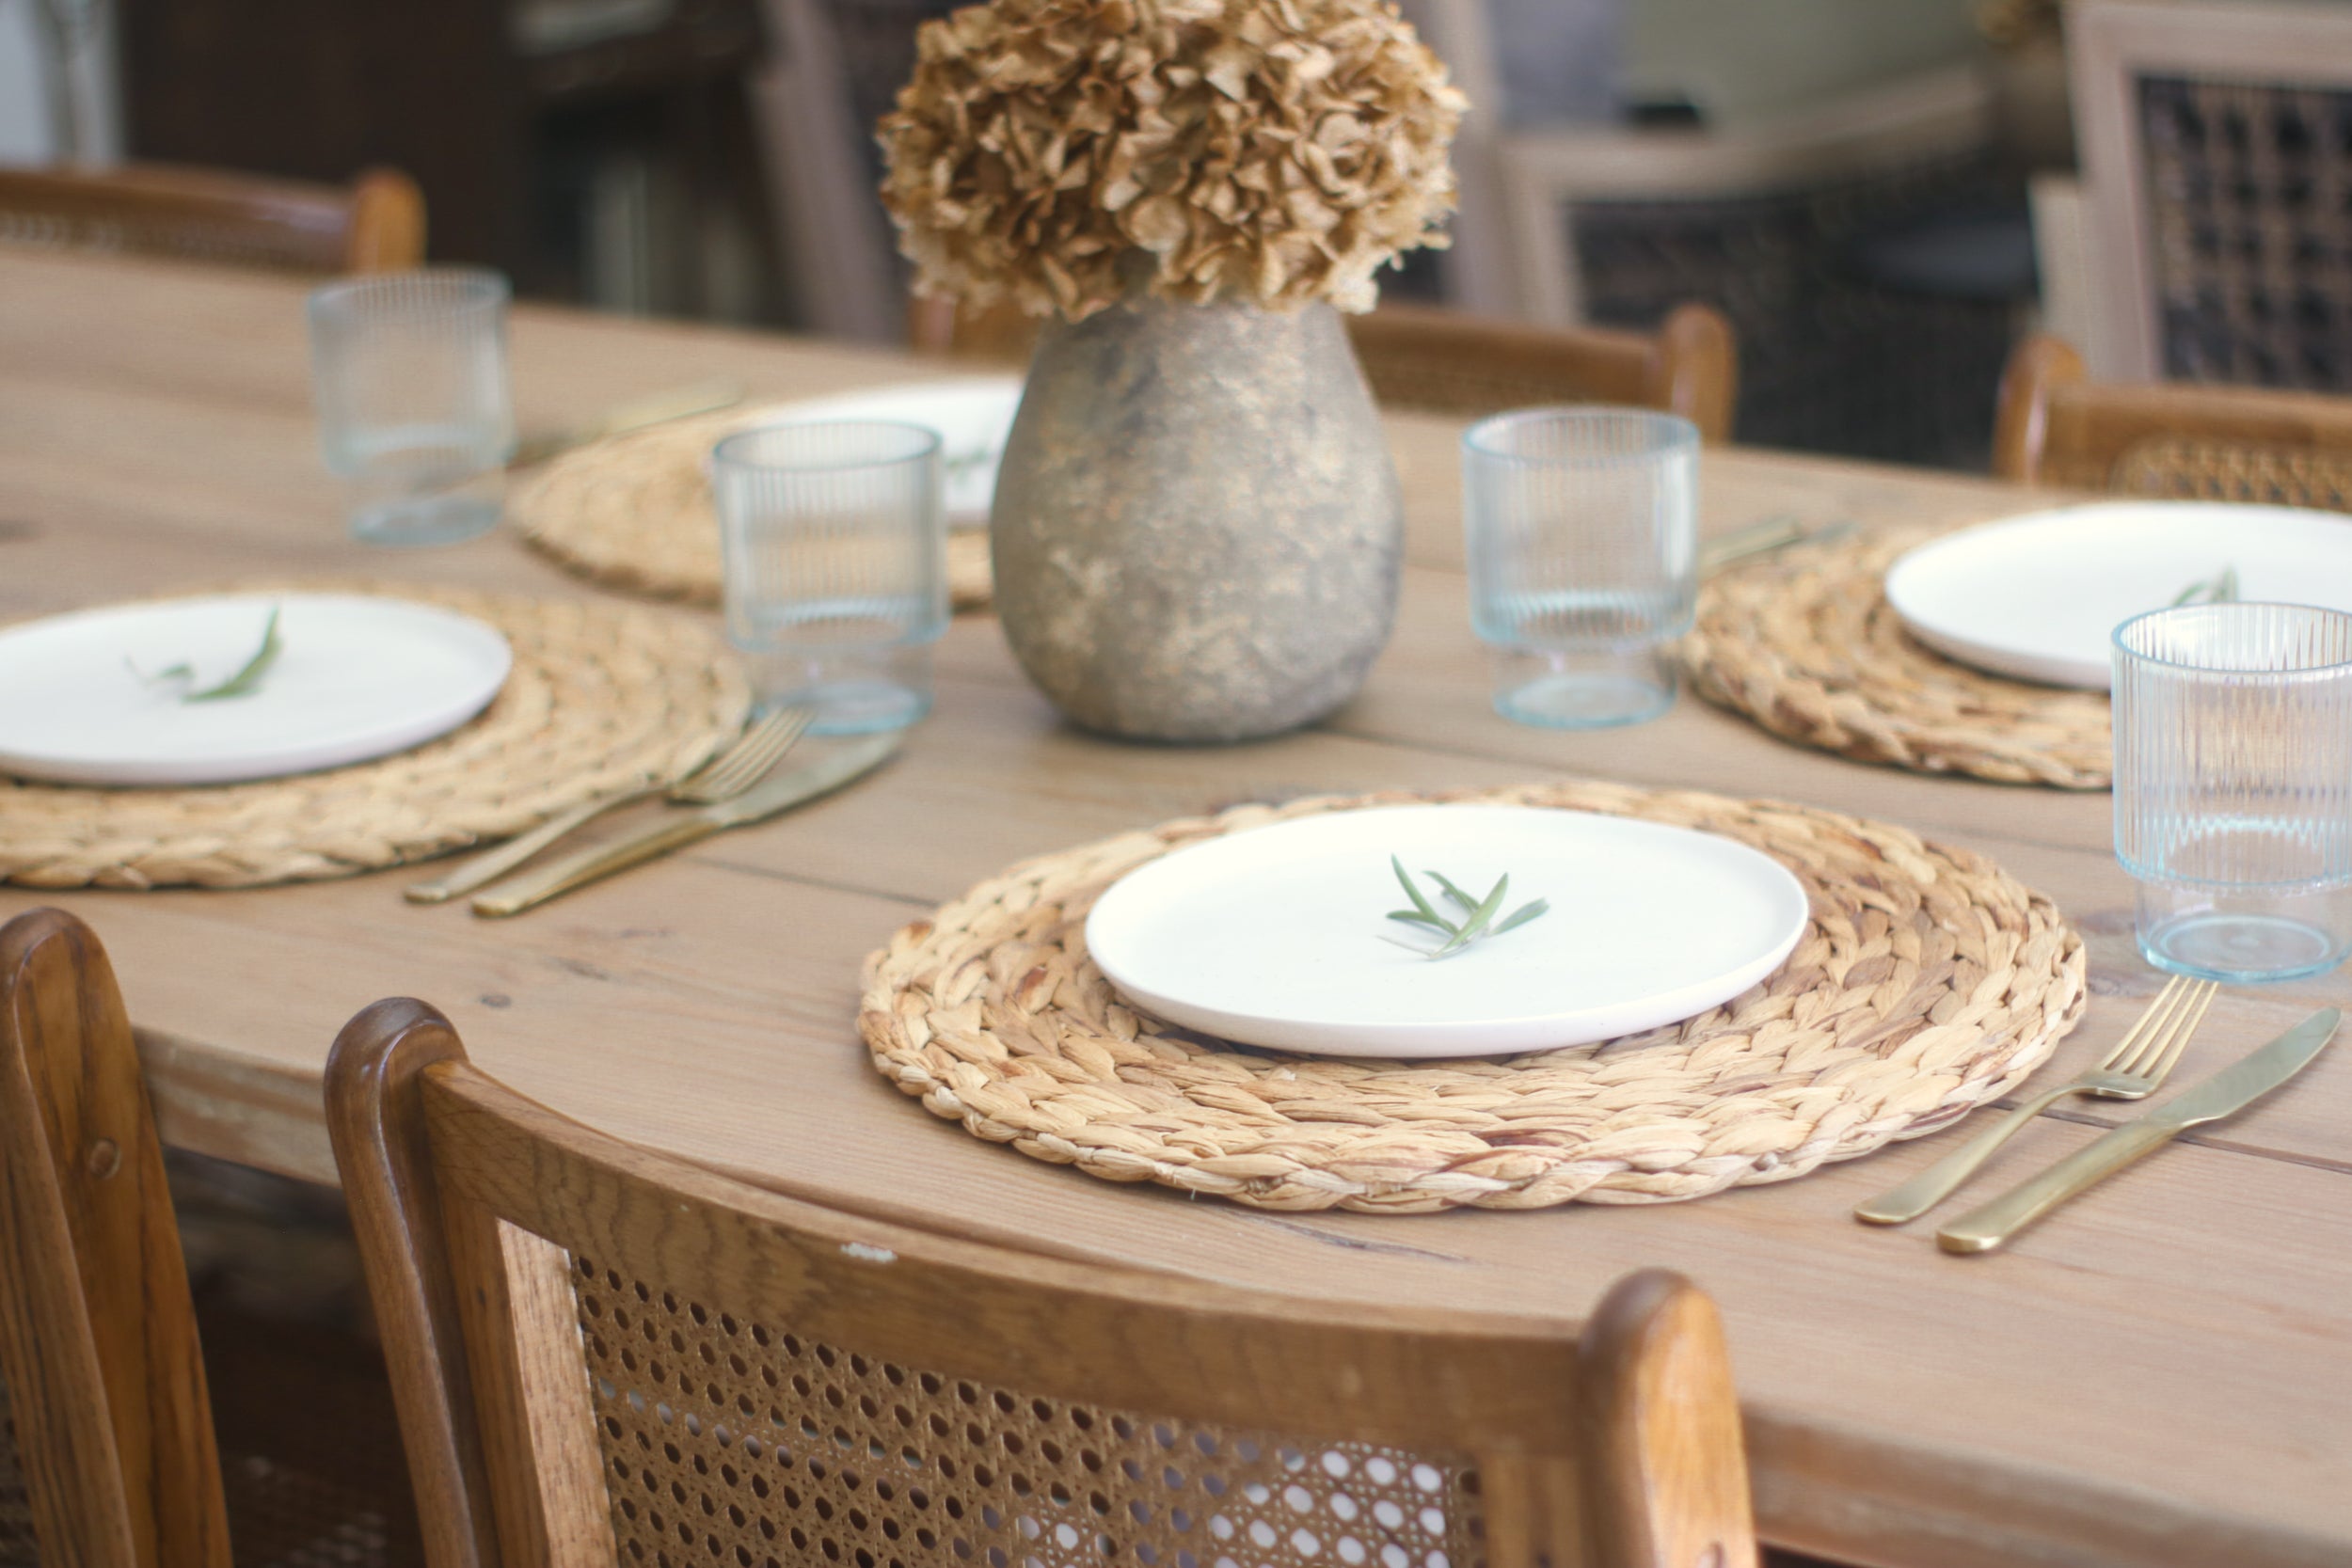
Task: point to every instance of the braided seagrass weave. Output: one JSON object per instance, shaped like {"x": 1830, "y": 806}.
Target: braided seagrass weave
{"x": 635, "y": 511}
{"x": 1808, "y": 647}
{"x": 601, "y": 696}
{"x": 1929, "y": 982}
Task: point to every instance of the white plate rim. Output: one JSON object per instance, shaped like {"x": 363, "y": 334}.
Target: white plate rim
{"x": 1410, "y": 1041}
{"x": 281, "y": 761}
{"x": 2043, "y": 668}
{"x": 853, "y": 405}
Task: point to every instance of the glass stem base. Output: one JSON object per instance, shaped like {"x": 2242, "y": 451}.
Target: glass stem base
{"x": 1583, "y": 689}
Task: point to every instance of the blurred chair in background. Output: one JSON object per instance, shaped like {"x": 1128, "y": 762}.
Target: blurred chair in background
{"x": 108, "y": 1449}
{"x": 1449, "y": 362}
{"x": 375, "y": 224}
{"x": 2219, "y": 190}
{"x": 604, "y": 1351}
{"x": 2057, "y": 427}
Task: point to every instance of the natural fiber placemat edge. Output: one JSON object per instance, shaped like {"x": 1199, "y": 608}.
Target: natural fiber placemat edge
{"x": 1806, "y": 646}
{"x": 1930, "y": 983}
{"x": 602, "y": 696}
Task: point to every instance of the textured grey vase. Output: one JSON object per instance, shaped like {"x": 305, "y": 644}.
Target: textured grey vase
{"x": 1197, "y": 525}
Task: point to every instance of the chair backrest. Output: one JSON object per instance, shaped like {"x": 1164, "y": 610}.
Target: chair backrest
{"x": 602, "y": 1355}
{"x": 1450, "y": 362}
{"x": 2057, "y": 427}
{"x": 105, "y": 1430}
{"x": 2219, "y": 189}
{"x": 375, "y": 224}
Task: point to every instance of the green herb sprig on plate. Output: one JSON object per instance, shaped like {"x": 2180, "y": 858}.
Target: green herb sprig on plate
{"x": 1477, "y": 921}
{"x": 2221, "y": 588}
{"x": 247, "y": 681}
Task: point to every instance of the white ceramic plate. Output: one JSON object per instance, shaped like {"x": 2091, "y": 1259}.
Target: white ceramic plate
{"x": 973, "y": 416}
{"x": 2040, "y": 596}
{"x": 1273, "y": 936}
{"x": 358, "y": 677}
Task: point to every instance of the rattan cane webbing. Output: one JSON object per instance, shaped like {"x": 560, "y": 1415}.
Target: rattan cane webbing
{"x": 1929, "y": 983}
{"x": 634, "y": 513}
{"x": 1808, "y": 647}
{"x": 602, "y": 696}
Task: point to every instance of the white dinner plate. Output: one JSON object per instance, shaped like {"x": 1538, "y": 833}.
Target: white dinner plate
{"x": 356, "y": 676}
{"x": 1273, "y": 936}
{"x": 2040, "y": 596}
{"x": 973, "y": 416}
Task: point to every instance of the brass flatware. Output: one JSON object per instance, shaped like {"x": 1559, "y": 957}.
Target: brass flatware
{"x": 678, "y": 402}
{"x": 2133, "y": 1070}
{"x": 729, "y": 773}
{"x": 1763, "y": 538}
{"x": 2225, "y": 1093}
{"x": 777, "y": 795}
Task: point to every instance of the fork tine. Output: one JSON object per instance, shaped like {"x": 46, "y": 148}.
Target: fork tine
{"x": 2142, "y": 1028}
{"x": 751, "y": 758}
{"x": 721, "y": 760}
{"x": 2162, "y": 1030}
{"x": 2201, "y": 997}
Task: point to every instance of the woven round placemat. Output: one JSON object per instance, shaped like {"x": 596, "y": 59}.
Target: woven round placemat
{"x": 1929, "y": 982}
{"x": 601, "y": 696}
{"x": 1808, "y": 647}
{"x": 635, "y": 511}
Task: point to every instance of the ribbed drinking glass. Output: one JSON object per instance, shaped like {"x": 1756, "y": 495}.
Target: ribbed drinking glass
{"x": 409, "y": 373}
{"x": 2234, "y": 787}
{"x": 1583, "y": 534}
{"x": 834, "y": 541}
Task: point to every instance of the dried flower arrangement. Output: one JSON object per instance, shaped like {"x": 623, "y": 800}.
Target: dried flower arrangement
{"x": 1268, "y": 151}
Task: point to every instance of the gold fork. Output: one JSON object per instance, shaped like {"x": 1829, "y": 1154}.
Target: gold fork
{"x": 2135, "y": 1069}
{"x": 744, "y": 762}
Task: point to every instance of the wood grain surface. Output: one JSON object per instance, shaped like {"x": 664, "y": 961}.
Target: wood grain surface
{"x": 2162, "y": 1375}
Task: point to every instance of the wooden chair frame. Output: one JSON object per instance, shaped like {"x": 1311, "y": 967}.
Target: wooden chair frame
{"x": 470, "y": 1201}
{"x": 97, "y": 1340}
{"x": 376, "y": 224}
{"x": 1690, "y": 366}
{"x": 2057, "y": 427}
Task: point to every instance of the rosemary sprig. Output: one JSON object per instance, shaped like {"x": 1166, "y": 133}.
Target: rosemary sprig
{"x": 1478, "y": 914}
{"x": 247, "y": 681}
{"x": 2214, "y": 589}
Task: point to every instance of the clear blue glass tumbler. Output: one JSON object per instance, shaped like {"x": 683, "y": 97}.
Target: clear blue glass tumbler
{"x": 2233, "y": 787}
{"x": 834, "y": 540}
{"x": 1583, "y": 534}
{"x": 409, "y": 373}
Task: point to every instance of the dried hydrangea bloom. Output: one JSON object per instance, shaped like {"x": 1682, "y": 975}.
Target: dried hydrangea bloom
{"x": 1271, "y": 150}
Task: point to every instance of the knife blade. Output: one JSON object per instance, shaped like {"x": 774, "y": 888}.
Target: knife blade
{"x": 768, "y": 798}
{"x": 2224, "y": 1094}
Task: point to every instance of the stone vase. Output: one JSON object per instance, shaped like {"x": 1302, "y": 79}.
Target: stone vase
{"x": 1197, "y": 527}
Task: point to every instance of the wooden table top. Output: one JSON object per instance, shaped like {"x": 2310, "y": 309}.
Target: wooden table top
{"x": 2162, "y": 1374}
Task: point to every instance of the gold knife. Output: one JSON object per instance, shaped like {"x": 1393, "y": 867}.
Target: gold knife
{"x": 778, "y": 794}
{"x": 2225, "y": 1093}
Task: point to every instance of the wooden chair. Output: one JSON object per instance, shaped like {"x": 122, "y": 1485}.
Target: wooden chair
{"x": 109, "y": 1452}
{"x": 603, "y": 1355}
{"x": 1449, "y": 362}
{"x": 107, "y": 1425}
{"x": 2057, "y": 427}
{"x": 375, "y": 224}
{"x": 2216, "y": 188}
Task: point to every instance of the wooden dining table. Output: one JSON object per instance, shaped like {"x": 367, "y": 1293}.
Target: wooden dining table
{"x": 2161, "y": 1374}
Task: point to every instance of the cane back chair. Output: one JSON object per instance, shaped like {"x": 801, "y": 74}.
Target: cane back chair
{"x": 113, "y": 1451}
{"x": 375, "y": 224}
{"x": 606, "y": 1355}
{"x": 2057, "y": 427}
{"x": 106, "y": 1448}
{"x": 1450, "y": 362}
